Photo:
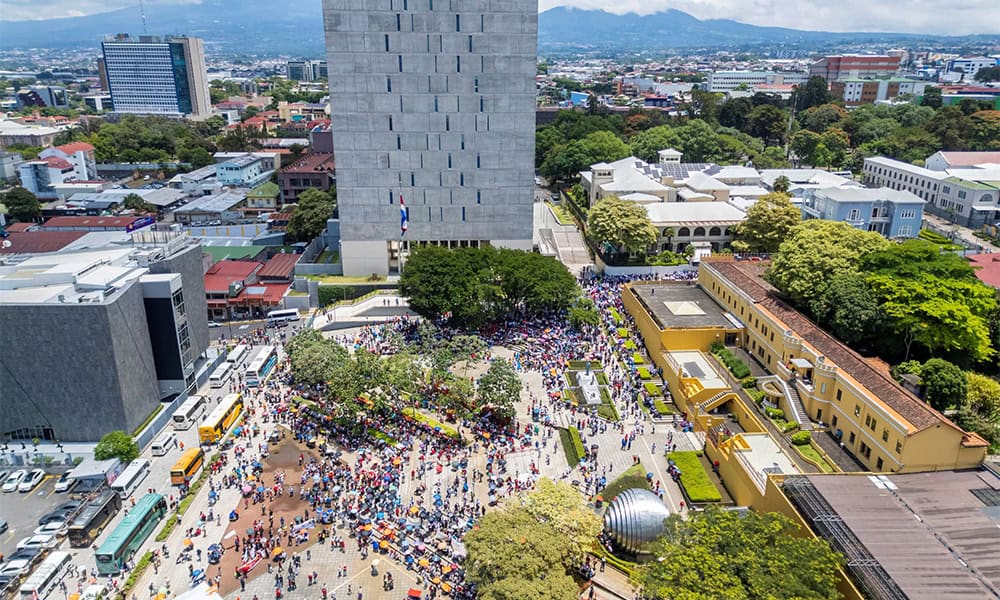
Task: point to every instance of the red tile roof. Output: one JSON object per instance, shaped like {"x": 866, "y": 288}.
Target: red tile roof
{"x": 37, "y": 242}
{"x": 969, "y": 159}
{"x": 281, "y": 266}
{"x": 74, "y": 147}
{"x": 58, "y": 163}
{"x": 987, "y": 267}
{"x": 19, "y": 227}
{"x": 96, "y": 222}
{"x": 746, "y": 276}
{"x": 221, "y": 274}
{"x": 312, "y": 163}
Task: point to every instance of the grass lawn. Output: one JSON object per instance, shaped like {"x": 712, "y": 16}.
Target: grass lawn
{"x": 572, "y": 445}
{"x": 344, "y": 280}
{"x": 617, "y": 317}
{"x": 581, "y": 365}
{"x": 644, "y": 373}
{"x": 330, "y": 255}
{"x": 628, "y": 567}
{"x": 633, "y": 477}
{"x": 622, "y": 332}
{"x": 652, "y": 389}
{"x": 630, "y": 345}
{"x": 607, "y": 408}
{"x": 809, "y": 452}
{"x": 694, "y": 477}
{"x": 602, "y": 379}
{"x": 662, "y": 407}
{"x": 561, "y": 213}
{"x": 637, "y": 358}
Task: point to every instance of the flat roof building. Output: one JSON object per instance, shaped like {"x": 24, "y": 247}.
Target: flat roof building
{"x": 142, "y": 305}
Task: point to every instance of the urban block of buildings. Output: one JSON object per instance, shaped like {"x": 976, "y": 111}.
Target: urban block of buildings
{"x": 306, "y": 70}
{"x": 436, "y": 107}
{"x": 892, "y": 213}
{"x": 728, "y": 81}
{"x": 148, "y": 75}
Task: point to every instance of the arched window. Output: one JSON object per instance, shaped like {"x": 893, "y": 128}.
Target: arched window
{"x": 715, "y": 231}
{"x": 683, "y": 232}
{"x": 668, "y": 232}
{"x": 986, "y": 198}
{"x": 699, "y": 232}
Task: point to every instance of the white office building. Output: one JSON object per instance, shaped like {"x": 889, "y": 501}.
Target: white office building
{"x": 433, "y": 101}
{"x": 150, "y": 76}
{"x": 727, "y": 81}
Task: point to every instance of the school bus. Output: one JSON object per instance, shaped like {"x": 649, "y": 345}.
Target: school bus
{"x": 187, "y": 467}
{"x": 222, "y": 417}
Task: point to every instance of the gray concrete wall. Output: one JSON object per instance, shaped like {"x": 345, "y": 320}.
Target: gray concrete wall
{"x": 460, "y": 144}
{"x": 188, "y": 264}
{"x": 83, "y": 369}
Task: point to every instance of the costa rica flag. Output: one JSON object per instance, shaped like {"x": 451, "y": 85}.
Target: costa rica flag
{"x": 403, "y": 220}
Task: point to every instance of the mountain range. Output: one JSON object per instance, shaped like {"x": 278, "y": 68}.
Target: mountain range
{"x": 240, "y": 27}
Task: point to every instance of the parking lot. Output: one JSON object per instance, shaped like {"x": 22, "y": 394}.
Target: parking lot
{"x": 22, "y": 511}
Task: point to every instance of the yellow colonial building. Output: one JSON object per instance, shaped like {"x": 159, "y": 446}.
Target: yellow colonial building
{"x": 879, "y": 422}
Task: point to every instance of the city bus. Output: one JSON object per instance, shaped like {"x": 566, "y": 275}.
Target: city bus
{"x": 261, "y": 365}
{"x": 280, "y": 316}
{"x": 221, "y": 375}
{"x": 123, "y": 542}
{"x": 189, "y": 412}
{"x": 126, "y": 483}
{"x": 46, "y": 577}
{"x": 187, "y": 466}
{"x": 238, "y": 354}
{"x": 93, "y": 518}
{"x": 222, "y": 417}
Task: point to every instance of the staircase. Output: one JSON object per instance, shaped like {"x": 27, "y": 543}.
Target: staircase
{"x": 708, "y": 405}
{"x": 795, "y": 403}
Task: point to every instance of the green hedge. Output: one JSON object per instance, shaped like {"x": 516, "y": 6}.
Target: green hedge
{"x": 652, "y": 389}
{"x": 630, "y": 345}
{"x": 662, "y": 407}
{"x": 616, "y": 316}
{"x": 637, "y": 358}
{"x": 622, "y": 332}
{"x": 581, "y": 365}
{"x": 757, "y": 395}
{"x": 572, "y": 445}
{"x": 133, "y": 577}
{"x": 801, "y": 438}
{"x": 933, "y": 236}
{"x": 644, "y": 373}
{"x": 148, "y": 420}
{"x": 602, "y": 379}
{"x": 446, "y": 429}
{"x": 748, "y": 383}
{"x": 694, "y": 477}
{"x": 174, "y": 517}
{"x": 774, "y": 413}
{"x": 633, "y": 477}
{"x": 737, "y": 367}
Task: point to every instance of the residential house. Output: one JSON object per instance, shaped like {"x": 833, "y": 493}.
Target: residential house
{"x": 315, "y": 170}
{"x": 680, "y": 224}
{"x": 262, "y": 199}
{"x": 79, "y": 154}
{"x": 247, "y": 170}
{"x": 223, "y": 208}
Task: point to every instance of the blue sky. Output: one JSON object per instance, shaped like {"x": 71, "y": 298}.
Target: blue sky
{"x": 957, "y": 17}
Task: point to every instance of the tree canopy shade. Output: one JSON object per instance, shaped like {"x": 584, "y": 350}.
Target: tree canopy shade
{"x": 526, "y": 549}
{"x": 816, "y": 251}
{"x": 116, "y": 444}
{"x": 767, "y": 223}
{"x": 480, "y": 285}
{"x": 727, "y": 555}
{"x": 945, "y": 385}
{"x": 21, "y": 204}
{"x": 309, "y": 217}
{"x": 625, "y": 225}
{"x": 314, "y": 358}
{"x": 815, "y": 92}
{"x": 500, "y": 388}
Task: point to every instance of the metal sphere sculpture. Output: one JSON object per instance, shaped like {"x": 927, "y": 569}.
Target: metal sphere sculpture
{"x": 635, "y": 517}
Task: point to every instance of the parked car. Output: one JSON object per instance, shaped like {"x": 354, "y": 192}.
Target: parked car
{"x": 63, "y": 482}
{"x": 38, "y": 541}
{"x": 31, "y": 480}
{"x": 60, "y": 513}
{"x": 13, "y": 480}
{"x": 32, "y": 555}
{"x": 56, "y": 528}
{"x": 16, "y": 568}
{"x": 3, "y": 526}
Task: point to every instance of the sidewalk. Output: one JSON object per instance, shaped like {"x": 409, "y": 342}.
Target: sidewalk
{"x": 371, "y": 310}
{"x": 946, "y": 227}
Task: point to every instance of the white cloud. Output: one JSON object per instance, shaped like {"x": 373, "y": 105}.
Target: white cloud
{"x": 15, "y": 10}
{"x": 959, "y": 17}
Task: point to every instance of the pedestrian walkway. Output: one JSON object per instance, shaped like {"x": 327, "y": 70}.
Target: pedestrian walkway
{"x": 366, "y": 311}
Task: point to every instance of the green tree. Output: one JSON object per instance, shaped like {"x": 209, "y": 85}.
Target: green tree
{"x": 22, "y": 205}
{"x": 116, "y": 444}
{"x": 624, "y": 225}
{"x": 983, "y": 395}
{"x": 698, "y": 141}
{"x": 945, "y": 385}
{"x": 952, "y": 127}
{"x": 986, "y": 129}
{"x": 820, "y": 118}
{"x": 781, "y": 185}
{"x": 296, "y": 150}
{"x": 583, "y": 312}
{"x": 310, "y": 214}
{"x": 647, "y": 144}
{"x": 988, "y": 74}
{"x": 135, "y": 202}
{"x": 849, "y": 308}
{"x": 773, "y": 157}
{"x": 500, "y": 389}
{"x": 726, "y": 555}
{"x": 803, "y": 144}
{"x": 566, "y": 161}
{"x": 734, "y": 113}
{"x": 315, "y": 359}
{"x": 815, "y": 92}
{"x": 703, "y": 105}
{"x": 767, "y": 224}
{"x": 527, "y": 549}
{"x": 816, "y": 251}
{"x": 932, "y": 97}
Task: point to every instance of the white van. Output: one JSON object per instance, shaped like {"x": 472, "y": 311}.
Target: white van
{"x": 164, "y": 442}
{"x": 128, "y": 481}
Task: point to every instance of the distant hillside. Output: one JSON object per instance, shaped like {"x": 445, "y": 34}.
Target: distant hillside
{"x": 238, "y": 27}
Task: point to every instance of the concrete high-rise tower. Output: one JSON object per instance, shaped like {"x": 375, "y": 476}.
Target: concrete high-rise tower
{"x": 150, "y": 76}
{"x": 434, "y": 101}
